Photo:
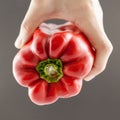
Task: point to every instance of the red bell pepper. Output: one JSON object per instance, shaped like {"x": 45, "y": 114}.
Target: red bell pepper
{"x": 53, "y": 63}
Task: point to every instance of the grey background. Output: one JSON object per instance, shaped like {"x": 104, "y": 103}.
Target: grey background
{"x": 99, "y": 99}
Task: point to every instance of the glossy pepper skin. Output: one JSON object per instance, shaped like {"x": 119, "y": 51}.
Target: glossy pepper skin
{"x": 53, "y": 63}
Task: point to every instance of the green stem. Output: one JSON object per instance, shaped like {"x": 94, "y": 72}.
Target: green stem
{"x": 50, "y": 70}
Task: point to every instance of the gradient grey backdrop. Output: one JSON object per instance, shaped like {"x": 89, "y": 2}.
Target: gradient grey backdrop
{"x": 99, "y": 99}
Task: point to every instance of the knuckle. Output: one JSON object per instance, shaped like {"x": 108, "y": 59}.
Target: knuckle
{"x": 110, "y": 47}
{"x": 25, "y": 27}
{"x": 88, "y": 4}
{"x": 107, "y": 47}
{"x": 85, "y": 6}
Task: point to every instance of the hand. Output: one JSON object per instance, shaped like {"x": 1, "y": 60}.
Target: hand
{"x": 86, "y": 14}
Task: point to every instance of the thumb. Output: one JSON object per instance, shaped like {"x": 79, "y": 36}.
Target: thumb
{"x": 30, "y": 23}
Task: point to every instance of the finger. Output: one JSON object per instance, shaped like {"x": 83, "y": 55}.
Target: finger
{"x": 31, "y": 21}
{"x": 100, "y": 63}
{"x": 103, "y": 48}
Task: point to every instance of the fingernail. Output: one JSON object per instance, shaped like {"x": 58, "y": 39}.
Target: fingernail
{"x": 18, "y": 42}
{"x": 89, "y": 78}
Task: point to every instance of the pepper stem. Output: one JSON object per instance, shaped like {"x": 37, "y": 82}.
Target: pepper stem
{"x": 50, "y": 70}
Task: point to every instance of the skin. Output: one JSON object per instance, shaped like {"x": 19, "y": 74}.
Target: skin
{"x": 86, "y": 14}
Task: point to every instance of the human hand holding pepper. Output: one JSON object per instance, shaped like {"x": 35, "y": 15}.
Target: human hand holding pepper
{"x": 85, "y": 14}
